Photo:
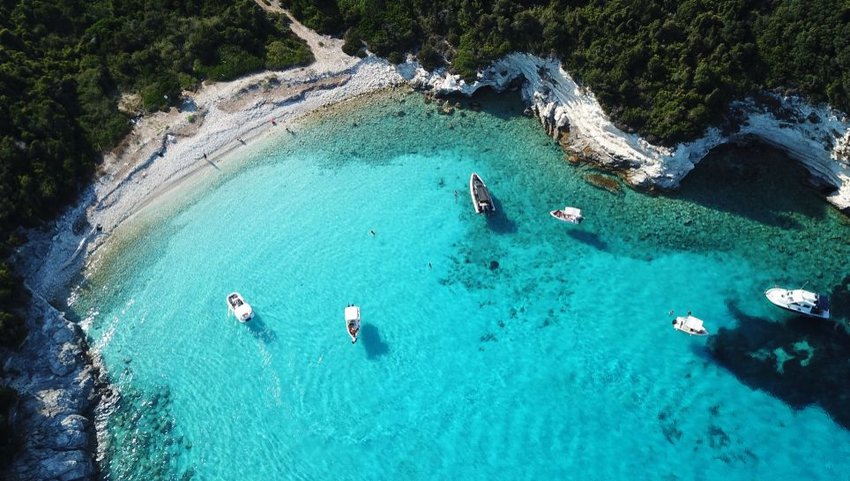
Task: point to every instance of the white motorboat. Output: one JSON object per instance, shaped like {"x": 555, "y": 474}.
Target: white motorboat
{"x": 352, "y": 321}
{"x": 568, "y": 214}
{"x": 690, "y": 325}
{"x": 482, "y": 201}
{"x": 800, "y": 301}
{"x": 241, "y": 309}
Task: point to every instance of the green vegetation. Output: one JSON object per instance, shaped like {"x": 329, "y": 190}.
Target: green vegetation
{"x": 807, "y": 46}
{"x": 666, "y": 69}
{"x": 64, "y": 66}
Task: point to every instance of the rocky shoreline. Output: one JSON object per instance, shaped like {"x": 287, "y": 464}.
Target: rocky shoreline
{"x": 63, "y": 391}
{"x": 58, "y": 380}
{"x": 817, "y": 136}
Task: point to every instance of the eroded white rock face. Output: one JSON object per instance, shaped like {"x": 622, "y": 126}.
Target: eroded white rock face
{"x": 817, "y": 136}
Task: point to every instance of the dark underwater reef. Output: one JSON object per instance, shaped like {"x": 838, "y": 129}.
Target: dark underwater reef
{"x": 802, "y": 361}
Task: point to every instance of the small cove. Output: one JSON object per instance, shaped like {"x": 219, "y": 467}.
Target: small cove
{"x": 558, "y": 361}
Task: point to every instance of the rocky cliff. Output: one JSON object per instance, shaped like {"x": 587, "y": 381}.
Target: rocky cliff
{"x": 817, "y": 136}
{"x": 57, "y": 385}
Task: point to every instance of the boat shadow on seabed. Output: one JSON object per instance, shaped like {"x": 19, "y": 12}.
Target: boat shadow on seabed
{"x": 260, "y": 330}
{"x": 800, "y": 360}
{"x": 499, "y": 222}
{"x": 590, "y": 238}
{"x": 370, "y": 338}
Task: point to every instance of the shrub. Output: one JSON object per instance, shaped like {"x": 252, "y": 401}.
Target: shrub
{"x": 282, "y": 54}
{"x": 232, "y": 62}
{"x": 161, "y": 92}
{"x": 429, "y": 57}
{"x": 12, "y": 326}
{"x": 353, "y": 43}
{"x": 395, "y": 57}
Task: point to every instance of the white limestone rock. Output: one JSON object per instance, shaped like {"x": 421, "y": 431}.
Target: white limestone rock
{"x": 817, "y": 136}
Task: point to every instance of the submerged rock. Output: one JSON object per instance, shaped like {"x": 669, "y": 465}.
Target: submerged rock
{"x": 801, "y": 361}
{"x": 603, "y": 182}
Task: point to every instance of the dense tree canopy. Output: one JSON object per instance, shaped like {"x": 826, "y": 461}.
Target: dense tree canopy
{"x": 64, "y": 65}
{"x": 664, "y": 68}
{"x": 63, "y": 68}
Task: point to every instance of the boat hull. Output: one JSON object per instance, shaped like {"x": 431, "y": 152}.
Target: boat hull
{"x": 241, "y": 309}
{"x": 779, "y": 298}
{"x": 568, "y": 219}
{"x": 685, "y": 324}
{"x": 352, "y": 322}
{"x": 482, "y": 200}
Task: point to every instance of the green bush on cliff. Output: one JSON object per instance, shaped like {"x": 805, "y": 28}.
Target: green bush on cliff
{"x": 664, "y": 69}
{"x": 282, "y": 54}
{"x": 12, "y": 329}
{"x": 64, "y": 66}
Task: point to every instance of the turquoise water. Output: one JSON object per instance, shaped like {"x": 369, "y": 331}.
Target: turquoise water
{"x": 510, "y": 348}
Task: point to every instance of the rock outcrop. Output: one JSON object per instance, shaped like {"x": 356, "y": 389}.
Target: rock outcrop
{"x": 57, "y": 385}
{"x": 817, "y": 136}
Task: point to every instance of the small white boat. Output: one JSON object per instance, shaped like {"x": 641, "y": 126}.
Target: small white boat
{"x": 800, "y": 301}
{"x": 352, "y": 321}
{"x": 482, "y": 201}
{"x": 241, "y": 309}
{"x": 690, "y": 325}
{"x": 568, "y": 214}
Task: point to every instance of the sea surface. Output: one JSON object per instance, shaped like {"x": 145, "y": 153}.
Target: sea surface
{"x": 515, "y": 347}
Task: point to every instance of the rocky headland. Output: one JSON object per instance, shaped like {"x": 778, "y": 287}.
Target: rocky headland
{"x": 58, "y": 383}
{"x": 817, "y": 136}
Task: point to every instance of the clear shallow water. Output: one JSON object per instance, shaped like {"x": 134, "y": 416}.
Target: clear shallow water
{"x": 558, "y": 362}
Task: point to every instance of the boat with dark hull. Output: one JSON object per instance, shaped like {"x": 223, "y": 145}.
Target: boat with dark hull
{"x": 482, "y": 201}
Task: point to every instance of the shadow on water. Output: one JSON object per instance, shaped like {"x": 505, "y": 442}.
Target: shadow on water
{"x": 698, "y": 346}
{"x": 757, "y": 182}
{"x": 371, "y": 340}
{"x": 590, "y": 238}
{"x": 261, "y": 331}
{"x": 507, "y": 105}
{"x": 802, "y": 361}
{"x": 499, "y": 222}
